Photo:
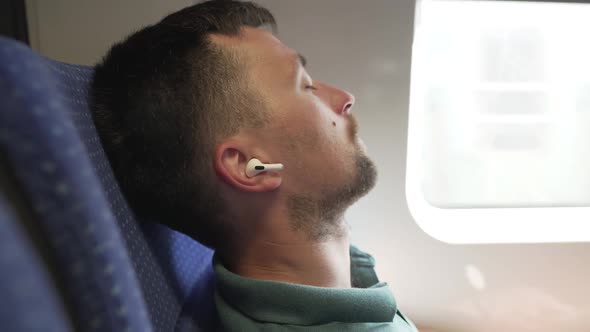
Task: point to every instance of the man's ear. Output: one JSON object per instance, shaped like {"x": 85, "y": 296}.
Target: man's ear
{"x": 230, "y": 160}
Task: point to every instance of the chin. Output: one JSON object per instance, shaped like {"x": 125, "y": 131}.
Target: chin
{"x": 321, "y": 216}
{"x": 366, "y": 175}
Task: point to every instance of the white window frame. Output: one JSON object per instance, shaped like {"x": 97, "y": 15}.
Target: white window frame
{"x": 481, "y": 225}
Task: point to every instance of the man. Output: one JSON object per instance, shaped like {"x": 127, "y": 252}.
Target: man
{"x": 183, "y": 106}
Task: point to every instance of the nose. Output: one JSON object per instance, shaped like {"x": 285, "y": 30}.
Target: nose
{"x": 340, "y": 100}
{"x": 348, "y": 102}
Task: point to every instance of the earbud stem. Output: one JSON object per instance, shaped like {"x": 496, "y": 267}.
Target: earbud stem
{"x": 255, "y": 166}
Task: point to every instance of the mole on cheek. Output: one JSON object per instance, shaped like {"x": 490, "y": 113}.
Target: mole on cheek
{"x": 333, "y": 123}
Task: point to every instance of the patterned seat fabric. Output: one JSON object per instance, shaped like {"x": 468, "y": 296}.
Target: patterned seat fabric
{"x": 121, "y": 275}
{"x": 29, "y": 302}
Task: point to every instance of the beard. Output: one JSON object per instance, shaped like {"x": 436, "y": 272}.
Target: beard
{"x": 321, "y": 217}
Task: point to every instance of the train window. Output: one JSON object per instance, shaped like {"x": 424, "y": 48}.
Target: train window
{"x": 499, "y": 125}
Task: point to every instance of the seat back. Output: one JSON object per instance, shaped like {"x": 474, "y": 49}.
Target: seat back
{"x": 121, "y": 274}
{"x": 30, "y": 302}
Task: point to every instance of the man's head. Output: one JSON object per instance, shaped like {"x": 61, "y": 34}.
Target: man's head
{"x": 183, "y": 105}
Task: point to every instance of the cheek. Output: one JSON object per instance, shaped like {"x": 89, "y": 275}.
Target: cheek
{"x": 310, "y": 129}
{"x": 316, "y": 127}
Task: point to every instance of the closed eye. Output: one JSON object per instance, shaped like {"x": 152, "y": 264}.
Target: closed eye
{"x": 311, "y": 87}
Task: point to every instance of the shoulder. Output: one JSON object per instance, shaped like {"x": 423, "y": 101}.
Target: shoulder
{"x": 360, "y": 257}
{"x": 362, "y": 270}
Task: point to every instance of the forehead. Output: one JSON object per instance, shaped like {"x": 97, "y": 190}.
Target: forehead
{"x": 261, "y": 47}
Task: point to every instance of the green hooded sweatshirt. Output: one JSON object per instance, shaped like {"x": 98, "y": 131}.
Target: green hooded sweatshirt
{"x": 245, "y": 304}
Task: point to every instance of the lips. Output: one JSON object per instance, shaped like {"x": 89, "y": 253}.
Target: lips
{"x": 361, "y": 144}
{"x": 353, "y": 126}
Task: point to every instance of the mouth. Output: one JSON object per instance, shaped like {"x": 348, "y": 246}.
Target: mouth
{"x": 361, "y": 144}
{"x": 354, "y": 126}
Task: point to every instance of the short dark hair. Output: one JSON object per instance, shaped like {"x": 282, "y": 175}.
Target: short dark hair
{"x": 161, "y": 100}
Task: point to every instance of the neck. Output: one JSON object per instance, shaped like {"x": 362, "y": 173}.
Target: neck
{"x": 323, "y": 263}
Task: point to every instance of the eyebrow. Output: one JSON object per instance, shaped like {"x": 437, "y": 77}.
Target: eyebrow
{"x": 302, "y": 60}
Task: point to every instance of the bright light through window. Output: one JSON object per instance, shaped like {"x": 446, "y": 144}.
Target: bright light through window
{"x": 499, "y": 135}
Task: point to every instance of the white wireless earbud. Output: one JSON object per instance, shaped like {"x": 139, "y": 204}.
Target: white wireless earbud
{"x": 255, "y": 166}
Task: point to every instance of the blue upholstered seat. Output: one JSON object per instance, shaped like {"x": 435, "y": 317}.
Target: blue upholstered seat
{"x": 117, "y": 274}
{"x": 28, "y": 299}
